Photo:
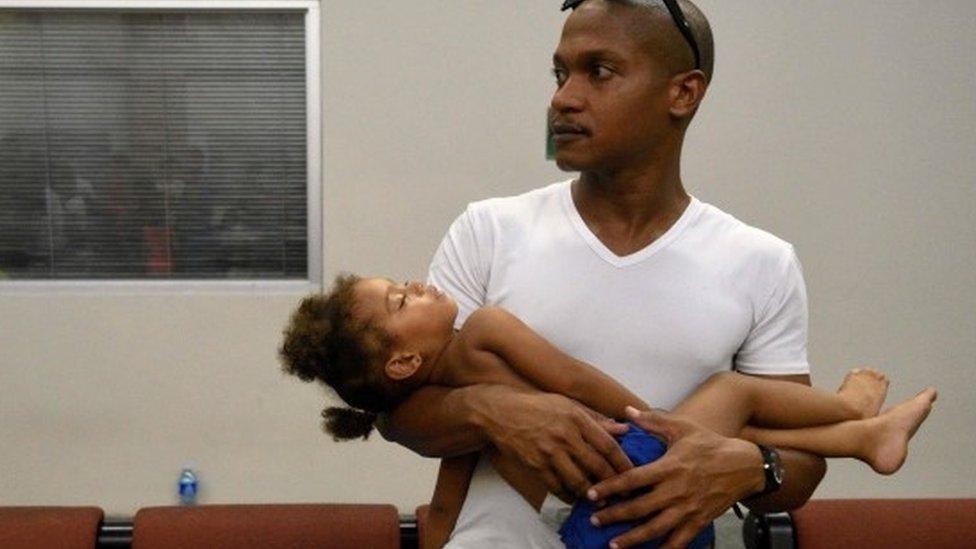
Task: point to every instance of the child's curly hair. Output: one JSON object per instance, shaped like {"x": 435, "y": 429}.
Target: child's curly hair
{"x": 325, "y": 342}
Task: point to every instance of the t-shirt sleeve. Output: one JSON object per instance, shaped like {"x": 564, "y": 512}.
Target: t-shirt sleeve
{"x": 462, "y": 263}
{"x": 777, "y": 343}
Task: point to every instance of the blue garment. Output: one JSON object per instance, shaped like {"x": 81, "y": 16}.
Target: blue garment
{"x": 578, "y": 533}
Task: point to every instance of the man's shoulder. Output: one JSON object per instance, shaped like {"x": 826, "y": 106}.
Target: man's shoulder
{"x": 722, "y": 231}
{"x": 519, "y": 205}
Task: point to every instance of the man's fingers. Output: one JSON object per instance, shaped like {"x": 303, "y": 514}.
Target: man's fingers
{"x": 634, "y": 508}
{"x": 631, "y": 509}
{"x": 657, "y": 422}
{"x": 615, "y": 428}
{"x": 553, "y": 484}
{"x": 638, "y": 477}
{"x": 681, "y": 537}
{"x": 570, "y": 475}
{"x": 654, "y": 528}
{"x": 594, "y": 463}
{"x": 601, "y": 441}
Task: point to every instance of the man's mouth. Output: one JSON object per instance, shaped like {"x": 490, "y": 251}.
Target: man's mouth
{"x": 564, "y": 131}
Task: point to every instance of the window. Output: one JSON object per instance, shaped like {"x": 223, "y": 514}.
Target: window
{"x": 171, "y": 141}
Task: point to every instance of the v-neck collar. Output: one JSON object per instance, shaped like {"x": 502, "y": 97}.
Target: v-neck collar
{"x": 598, "y": 247}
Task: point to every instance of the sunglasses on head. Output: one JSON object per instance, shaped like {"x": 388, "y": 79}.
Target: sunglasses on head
{"x": 676, "y": 14}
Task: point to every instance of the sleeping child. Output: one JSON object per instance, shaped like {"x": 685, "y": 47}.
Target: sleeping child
{"x": 374, "y": 341}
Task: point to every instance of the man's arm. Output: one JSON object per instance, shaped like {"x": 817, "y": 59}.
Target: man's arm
{"x": 439, "y": 421}
{"x": 559, "y": 439}
{"x": 699, "y": 478}
{"x": 803, "y": 472}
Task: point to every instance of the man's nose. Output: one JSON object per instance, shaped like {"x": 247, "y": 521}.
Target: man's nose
{"x": 568, "y": 97}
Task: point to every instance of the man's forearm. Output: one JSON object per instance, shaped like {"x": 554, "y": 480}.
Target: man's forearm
{"x": 803, "y": 473}
{"x": 438, "y": 421}
{"x": 556, "y": 438}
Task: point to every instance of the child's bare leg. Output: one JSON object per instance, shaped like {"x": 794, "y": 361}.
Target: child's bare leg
{"x": 881, "y": 441}
{"x": 453, "y": 479}
{"x": 728, "y": 401}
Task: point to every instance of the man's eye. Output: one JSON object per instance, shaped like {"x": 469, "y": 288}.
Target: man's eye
{"x": 559, "y": 75}
{"x": 602, "y": 72}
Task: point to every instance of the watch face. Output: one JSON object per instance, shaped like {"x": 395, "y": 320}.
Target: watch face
{"x": 777, "y": 467}
{"x": 773, "y": 468}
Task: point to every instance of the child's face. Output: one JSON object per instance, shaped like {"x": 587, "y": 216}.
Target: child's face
{"x": 420, "y": 318}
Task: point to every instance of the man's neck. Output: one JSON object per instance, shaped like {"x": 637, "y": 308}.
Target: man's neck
{"x": 628, "y": 209}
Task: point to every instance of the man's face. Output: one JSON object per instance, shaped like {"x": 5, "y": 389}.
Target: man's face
{"x": 610, "y": 108}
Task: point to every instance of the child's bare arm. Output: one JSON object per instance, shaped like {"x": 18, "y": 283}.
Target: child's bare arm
{"x": 451, "y": 489}
{"x": 496, "y": 331}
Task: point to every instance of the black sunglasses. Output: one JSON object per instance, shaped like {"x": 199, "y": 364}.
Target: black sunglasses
{"x": 679, "y": 20}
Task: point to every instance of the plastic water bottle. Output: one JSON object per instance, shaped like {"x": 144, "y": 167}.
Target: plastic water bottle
{"x": 188, "y": 486}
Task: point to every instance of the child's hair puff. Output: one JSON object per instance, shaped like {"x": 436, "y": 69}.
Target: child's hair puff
{"x": 325, "y": 342}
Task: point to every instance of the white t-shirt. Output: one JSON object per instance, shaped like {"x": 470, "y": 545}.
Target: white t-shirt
{"x": 712, "y": 294}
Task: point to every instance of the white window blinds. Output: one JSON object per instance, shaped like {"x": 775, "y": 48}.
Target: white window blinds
{"x": 142, "y": 144}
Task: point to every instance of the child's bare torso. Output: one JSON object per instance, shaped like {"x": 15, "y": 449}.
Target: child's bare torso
{"x": 464, "y": 363}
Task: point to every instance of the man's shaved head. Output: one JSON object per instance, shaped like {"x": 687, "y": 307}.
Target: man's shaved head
{"x": 659, "y": 32}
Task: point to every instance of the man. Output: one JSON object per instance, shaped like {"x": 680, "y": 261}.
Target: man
{"x": 622, "y": 269}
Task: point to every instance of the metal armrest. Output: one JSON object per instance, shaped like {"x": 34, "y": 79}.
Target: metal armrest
{"x": 770, "y": 531}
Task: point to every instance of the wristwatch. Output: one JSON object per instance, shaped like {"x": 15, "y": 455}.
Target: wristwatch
{"x": 772, "y": 468}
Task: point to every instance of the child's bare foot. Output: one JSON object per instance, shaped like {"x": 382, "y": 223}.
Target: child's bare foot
{"x": 864, "y": 389}
{"x": 889, "y": 433}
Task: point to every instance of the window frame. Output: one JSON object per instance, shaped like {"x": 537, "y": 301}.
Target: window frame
{"x": 314, "y": 155}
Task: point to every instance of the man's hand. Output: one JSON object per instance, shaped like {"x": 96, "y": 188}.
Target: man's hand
{"x": 562, "y": 442}
{"x": 699, "y": 477}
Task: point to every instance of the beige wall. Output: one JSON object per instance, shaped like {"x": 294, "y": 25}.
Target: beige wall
{"x": 848, "y": 128}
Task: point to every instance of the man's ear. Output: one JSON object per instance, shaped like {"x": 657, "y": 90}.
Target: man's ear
{"x": 403, "y": 364}
{"x": 687, "y": 92}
